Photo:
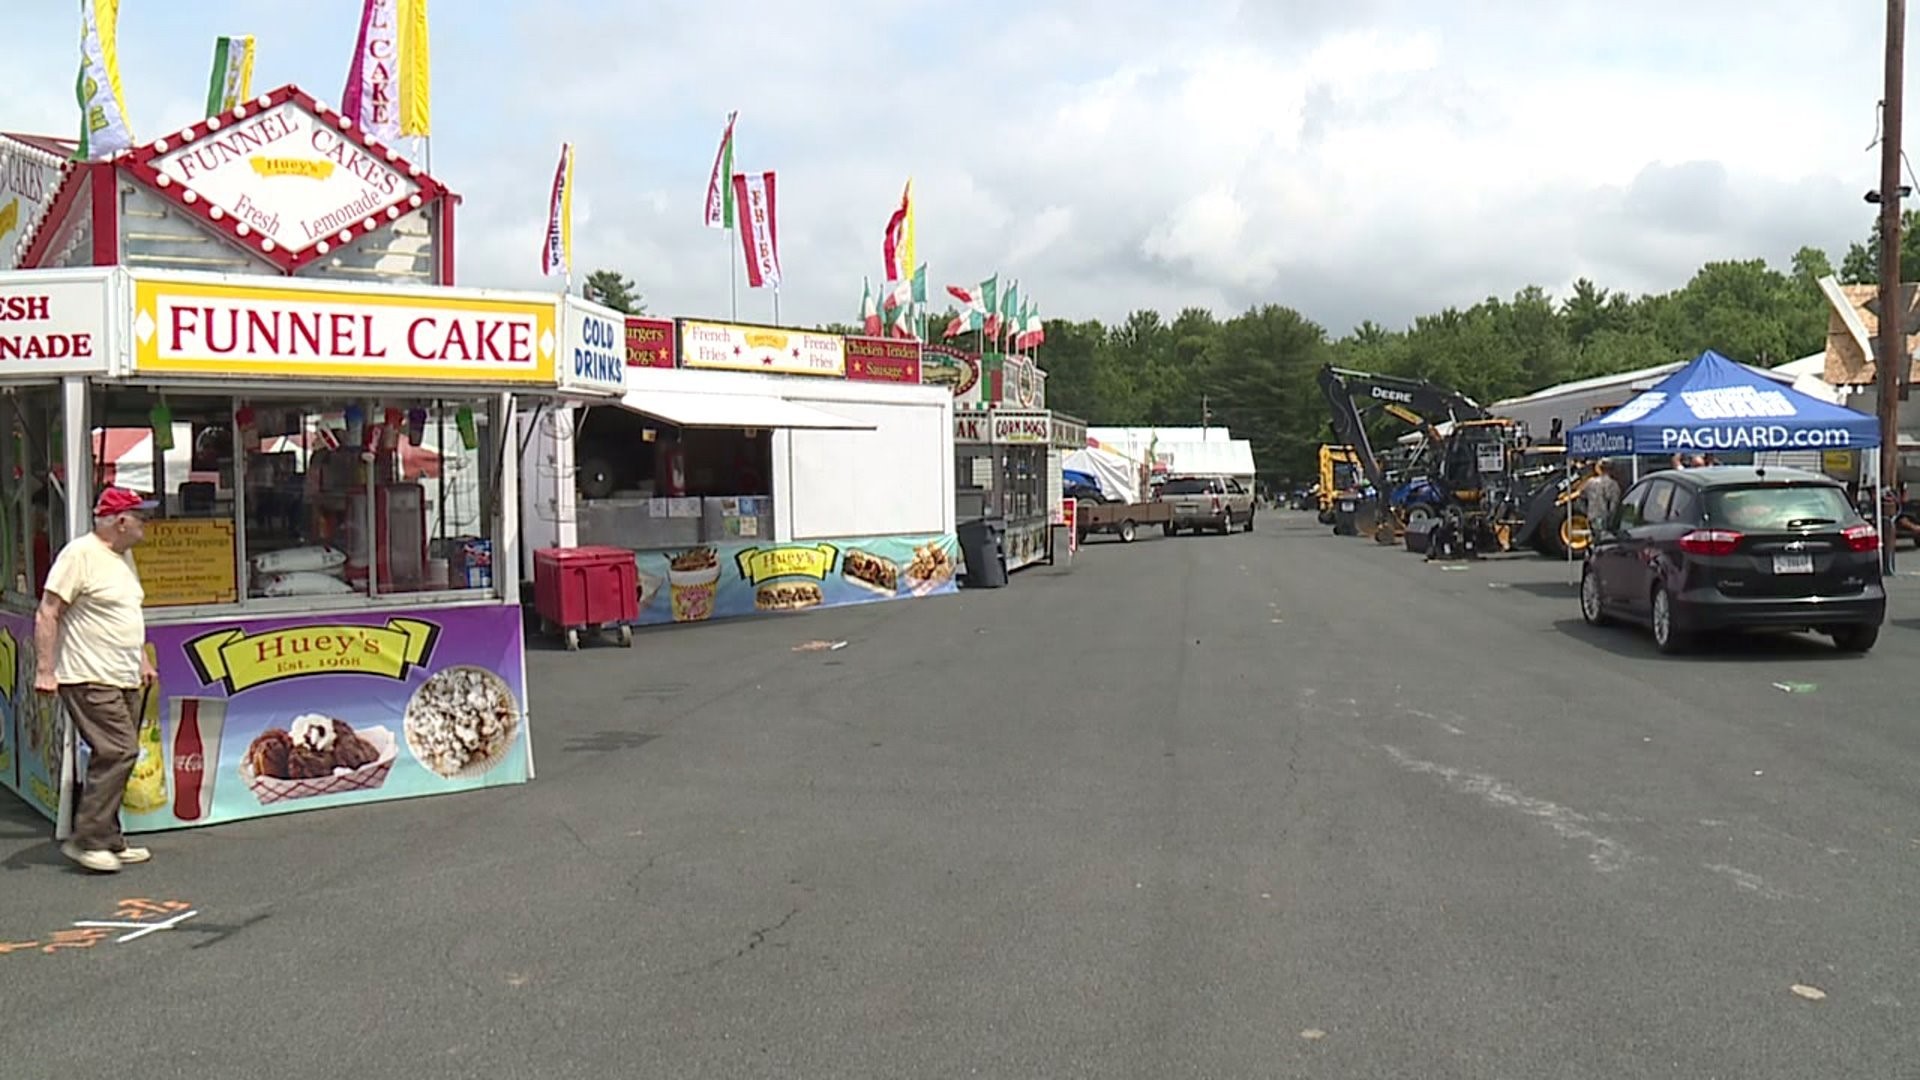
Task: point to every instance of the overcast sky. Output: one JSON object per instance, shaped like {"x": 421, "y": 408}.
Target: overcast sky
{"x": 1351, "y": 158}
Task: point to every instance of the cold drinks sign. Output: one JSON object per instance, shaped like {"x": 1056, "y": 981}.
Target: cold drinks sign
{"x": 430, "y": 335}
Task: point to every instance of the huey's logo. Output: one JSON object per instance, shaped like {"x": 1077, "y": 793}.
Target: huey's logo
{"x": 241, "y": 660}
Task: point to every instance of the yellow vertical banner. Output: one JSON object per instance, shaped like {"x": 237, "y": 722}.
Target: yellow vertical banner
{"x": 907, "y": 263}
{"x": 416, "y": 69}
{"x": 104, "y": 130}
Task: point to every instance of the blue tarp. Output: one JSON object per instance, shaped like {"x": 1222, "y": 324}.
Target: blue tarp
{"x": 1714, "y": 405}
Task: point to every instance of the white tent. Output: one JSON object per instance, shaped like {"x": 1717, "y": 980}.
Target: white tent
{"x": 1214, "y": 458}
{"x": 1119, "y": 475}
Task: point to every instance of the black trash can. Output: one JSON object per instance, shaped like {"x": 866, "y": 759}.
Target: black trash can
{"x": 983, "y": 548}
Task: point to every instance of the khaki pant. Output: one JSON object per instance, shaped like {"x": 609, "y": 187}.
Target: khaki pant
{"x": 104, "y": 716}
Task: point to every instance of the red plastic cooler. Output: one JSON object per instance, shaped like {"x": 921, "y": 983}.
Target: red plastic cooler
{"x": 586, "y": 588}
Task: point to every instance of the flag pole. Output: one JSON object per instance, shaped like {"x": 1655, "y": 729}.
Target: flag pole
{"x": 776, "y": 305}
{"x": 733, "y": 271}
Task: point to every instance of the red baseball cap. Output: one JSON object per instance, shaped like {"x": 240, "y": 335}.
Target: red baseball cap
{"x": 121, "y": 501}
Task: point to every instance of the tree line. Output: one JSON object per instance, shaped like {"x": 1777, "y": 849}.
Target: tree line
{"x": 1254, "y": 372}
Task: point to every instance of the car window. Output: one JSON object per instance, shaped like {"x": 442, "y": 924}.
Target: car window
{"x": 1185, "y": 487}
{"x": 1684, "y": 508}
{"x": 1630, "y": 506}
{"x": 1233, "y": 487}
{"x": 1774, "y": 507}
{"x": 1654, "y": 510}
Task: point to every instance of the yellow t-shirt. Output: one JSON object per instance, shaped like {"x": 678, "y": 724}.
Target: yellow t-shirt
{"x": 104, "y": 629}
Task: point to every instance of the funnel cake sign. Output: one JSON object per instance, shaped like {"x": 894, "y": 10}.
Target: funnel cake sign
{"x": 284, "y": 176}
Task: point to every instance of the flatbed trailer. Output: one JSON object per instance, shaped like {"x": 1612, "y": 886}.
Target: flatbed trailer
{"x": 1123, "y": 520}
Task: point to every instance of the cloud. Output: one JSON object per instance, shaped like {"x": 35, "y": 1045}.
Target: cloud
{"x": 1365, "y": 159}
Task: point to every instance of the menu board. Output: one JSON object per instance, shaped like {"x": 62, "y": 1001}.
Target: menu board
{"x": 186, "y": 561}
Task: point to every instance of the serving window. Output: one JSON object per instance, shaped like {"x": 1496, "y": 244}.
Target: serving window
{"x": 1000, "y": 481}
{"x": 646, "y": 483}
{"x": 33, "y": 496}
{"x": 295, "y": 501}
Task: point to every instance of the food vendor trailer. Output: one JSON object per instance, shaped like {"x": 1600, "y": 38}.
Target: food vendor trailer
{"x": 321, "y": 600}
{"x": 1008, "y": 447}
{"x": 755, "y": 469}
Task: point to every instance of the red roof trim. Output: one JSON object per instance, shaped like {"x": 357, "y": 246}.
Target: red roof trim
{"x": 139, "y": 162}
{"x": 72, "y": 182}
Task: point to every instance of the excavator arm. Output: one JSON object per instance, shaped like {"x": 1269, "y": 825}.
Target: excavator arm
{"x": 1412, "y": 401}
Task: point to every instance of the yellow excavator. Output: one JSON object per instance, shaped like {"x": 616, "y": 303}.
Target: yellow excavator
{"x": 1339, "y": 471}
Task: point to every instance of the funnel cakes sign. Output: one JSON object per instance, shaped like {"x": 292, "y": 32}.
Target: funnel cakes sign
{"x": 284, "y": 176}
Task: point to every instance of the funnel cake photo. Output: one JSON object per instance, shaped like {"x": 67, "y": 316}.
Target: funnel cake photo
{"x": 317, "y": 755}
{"x": 931, "y": 568}
{"x": 461, "y": 722}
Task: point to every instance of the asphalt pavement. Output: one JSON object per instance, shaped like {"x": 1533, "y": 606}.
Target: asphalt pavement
{"x": 1274, "y": 804}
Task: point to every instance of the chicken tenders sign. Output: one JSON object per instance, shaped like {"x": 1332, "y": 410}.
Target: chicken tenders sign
{"x": 208, "y": 329}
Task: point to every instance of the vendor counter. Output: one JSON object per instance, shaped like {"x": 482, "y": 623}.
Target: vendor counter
{"x": 644, "y": 522}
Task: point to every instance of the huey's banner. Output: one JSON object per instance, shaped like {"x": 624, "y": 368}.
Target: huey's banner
{"x": 269, "y": 716}
{"x": 751, "y": 576}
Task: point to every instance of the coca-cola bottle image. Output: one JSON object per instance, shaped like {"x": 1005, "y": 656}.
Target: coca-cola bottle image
{"x": 195, "y": 756}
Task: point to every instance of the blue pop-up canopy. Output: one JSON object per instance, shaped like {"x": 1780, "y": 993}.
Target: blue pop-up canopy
{"x": 1714, "y": 405}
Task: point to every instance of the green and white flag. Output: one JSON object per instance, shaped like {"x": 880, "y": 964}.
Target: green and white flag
{"x": 104, "y": 130}
{"x": 232, "y": 81}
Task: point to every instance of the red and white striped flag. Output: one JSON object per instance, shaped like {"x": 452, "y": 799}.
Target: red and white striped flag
{"x": 759, "y": 228}
{"x": 556, "y": 252}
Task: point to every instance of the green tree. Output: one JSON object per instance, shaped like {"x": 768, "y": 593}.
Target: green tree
{"x": 615, "y": 290}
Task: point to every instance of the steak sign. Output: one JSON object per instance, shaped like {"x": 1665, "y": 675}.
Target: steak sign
{"x": 190, "y": 328}
{"x": 284, "y": 177}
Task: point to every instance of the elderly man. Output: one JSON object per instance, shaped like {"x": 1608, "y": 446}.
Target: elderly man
{"x": 1601, "y": 498}
{"x": 90, "y": 638}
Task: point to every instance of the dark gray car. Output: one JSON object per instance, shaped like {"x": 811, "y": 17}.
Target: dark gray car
{"x": 1700, "y": 550}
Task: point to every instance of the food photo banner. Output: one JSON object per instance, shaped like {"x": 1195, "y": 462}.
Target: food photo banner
{"x": 32, "y": 736}
{"x": 721, "y": 581}
{"x": 268, "y": 716}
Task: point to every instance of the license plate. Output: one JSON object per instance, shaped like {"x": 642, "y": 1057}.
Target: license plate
{"x": 1793, "y": 564}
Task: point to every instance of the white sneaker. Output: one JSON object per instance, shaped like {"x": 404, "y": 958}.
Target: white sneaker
{"x": 100, "y": 862}
{"x": 131, "y": 855}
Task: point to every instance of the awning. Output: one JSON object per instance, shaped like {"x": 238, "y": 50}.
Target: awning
{"x": 732, "y": 411}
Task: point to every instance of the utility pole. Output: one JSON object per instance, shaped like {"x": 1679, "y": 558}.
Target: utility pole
{"x": 1892, "y": 361}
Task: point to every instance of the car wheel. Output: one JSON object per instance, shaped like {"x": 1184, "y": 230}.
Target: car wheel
{"x": 1126, "y": 532}
{"x": 1667, "y": 637}
{"x": 1855, "y": 639}
{"x": 1170, "y": 529}
{"x": 1591, "y": 607}
{"x": 1248, "y": 527}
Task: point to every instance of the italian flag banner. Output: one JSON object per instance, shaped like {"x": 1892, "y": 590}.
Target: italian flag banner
{"x": 719, "y": 185}
{"x": 869, "y": 315}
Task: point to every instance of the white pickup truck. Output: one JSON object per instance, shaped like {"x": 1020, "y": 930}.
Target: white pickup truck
{"x": 1207, "y": 502}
